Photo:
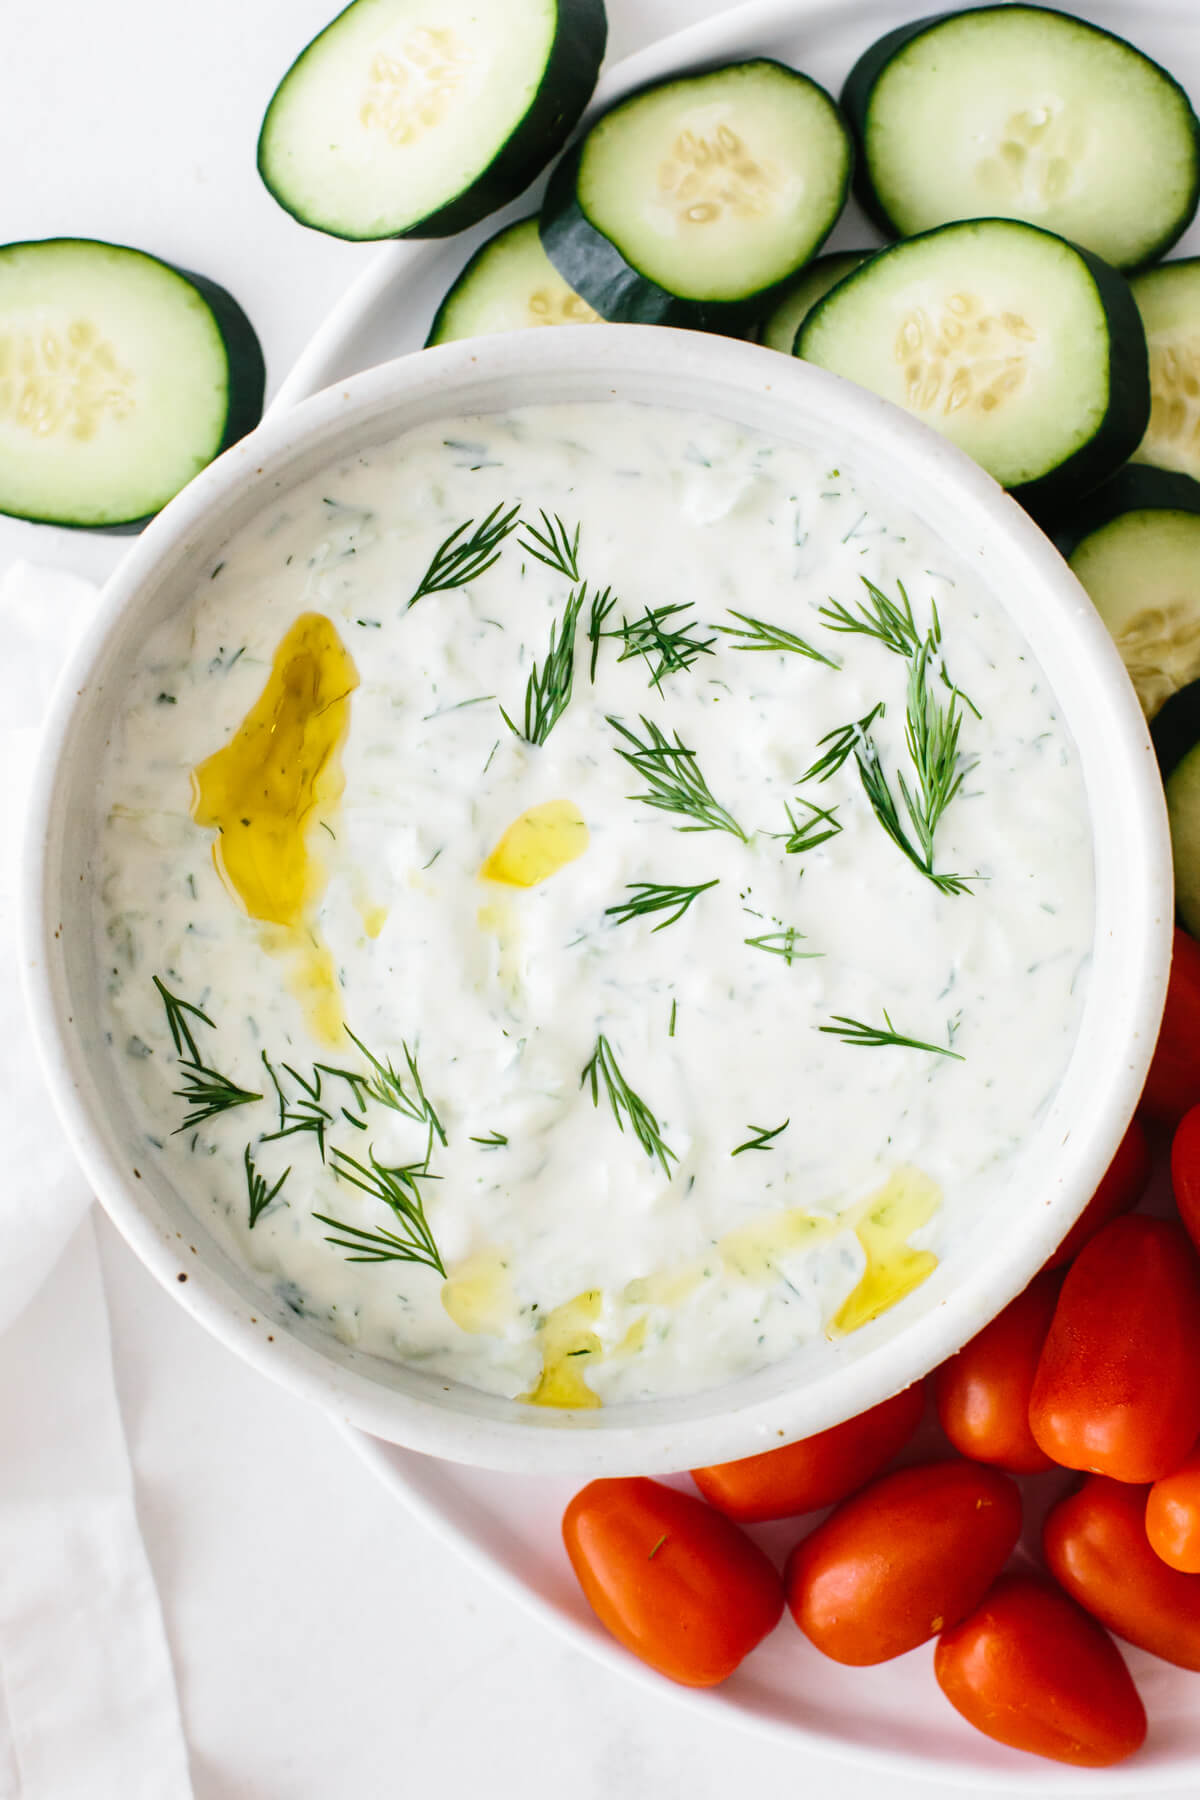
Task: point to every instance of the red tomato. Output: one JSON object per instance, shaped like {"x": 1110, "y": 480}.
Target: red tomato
{"x": 1173, "y": 1516}
{"x": 1032, "y": 1670}
{"x": 818, "y": 1470}
{"x": 1117, "y": 1388}
{"x": 1185, "y": 1172}
{"x": 901, "y": 1560}
{"x": 673, "y": 1581}
{"x": 1096, "y": 1546}
{"x": 1173, "y": 1084}
{"x": 1121, "y": 1187}
{"x": 983, "y": 1393}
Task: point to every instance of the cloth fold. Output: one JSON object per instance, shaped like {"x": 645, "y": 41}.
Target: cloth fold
{"x": 43, "y": 1195}
{"x": 88, "y": 1708}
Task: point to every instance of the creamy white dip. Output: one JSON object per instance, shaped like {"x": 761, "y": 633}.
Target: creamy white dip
{"x": 575, "y": 1256}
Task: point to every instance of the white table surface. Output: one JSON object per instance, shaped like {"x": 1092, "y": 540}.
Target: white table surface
{"x": 325, "y": 1646}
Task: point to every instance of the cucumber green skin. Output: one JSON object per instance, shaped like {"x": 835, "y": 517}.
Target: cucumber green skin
{"x": 246, "y": 377}
{"x": 596, "y": 269}
{"x": 851, "y": 258}
{"x": 866, "y": 257}
{"x": 855, "y": 102}
{"x": 1128, "y": 413}
{"x": 1175, "y": 728}
{"x": 462, "y": 278}
{"x": 1138, "y": 487}
{"x": 570, "y": 75}
{"x": 1183, "y": 811}
{"x": 859, "y": 88}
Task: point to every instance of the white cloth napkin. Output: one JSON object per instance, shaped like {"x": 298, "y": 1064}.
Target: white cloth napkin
{"x": 88, "y": 1709}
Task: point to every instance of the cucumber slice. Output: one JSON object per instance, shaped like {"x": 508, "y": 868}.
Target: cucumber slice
{"x": 120, "y": 378}
{"x": 1169, "y": 301}
{"x": 1023, "y": 349}
{"x": 812, "y": 284}
{"x": 1020, "y": 112}
{"x": 1136, "y": 550}
{"x": 417, "y": 118}
{"x": 1175, "y": 731}
{"x": 1183, "y": 812}
{"x": 691, "y": 202}
{"x": 510, "y": 284}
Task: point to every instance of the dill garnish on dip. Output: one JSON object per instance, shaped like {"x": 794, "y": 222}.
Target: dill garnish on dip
{"x": 542, "y": 799}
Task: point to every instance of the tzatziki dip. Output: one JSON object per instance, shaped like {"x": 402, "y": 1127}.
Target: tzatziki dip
{"x": 592, "y": 899}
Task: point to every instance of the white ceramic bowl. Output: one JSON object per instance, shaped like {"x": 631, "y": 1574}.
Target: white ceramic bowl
{"x": 819, "y": 1385}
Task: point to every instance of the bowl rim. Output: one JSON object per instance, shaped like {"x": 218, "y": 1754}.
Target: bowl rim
{"x": 601, "y": 355}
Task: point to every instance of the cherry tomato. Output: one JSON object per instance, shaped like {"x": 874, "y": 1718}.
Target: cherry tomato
{"x": 983, "y": 1393}
{"x": 1032, "y": 1670}
{"x": 1173, "y": 1084}
{"x": 1117, "y": 1388}
{"x": 1096, "y": 1546}
{"x": 898, "y": 1562}
{"x": 673, "y": 1581}
{"x": 818, "y": 1470}
{"x": 1121, "y": 1187}
{"x": 1173, "y": 1516}
{"x": 1185, "y": 1172}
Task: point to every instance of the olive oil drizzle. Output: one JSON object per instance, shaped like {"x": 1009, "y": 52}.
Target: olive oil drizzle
{"x": 267, "y": 791}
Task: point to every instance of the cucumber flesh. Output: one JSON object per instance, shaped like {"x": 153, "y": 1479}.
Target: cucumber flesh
{"x": 699, "y": 196}
{"x": 120, "y": 378}
{"x": 1183, "y": 811}
{"x": 420, "y": 117}
{"x": 1021, "y": 112}
{"x": 510, "y": 284}
{"x": 1024, "y": 350}
{"x": 1169, "y": 301}
{"x": 812, "y": 284}
{"x": 1142, "y": 573}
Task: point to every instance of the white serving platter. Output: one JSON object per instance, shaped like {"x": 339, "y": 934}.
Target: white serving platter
{"x": 507, "y": 1526}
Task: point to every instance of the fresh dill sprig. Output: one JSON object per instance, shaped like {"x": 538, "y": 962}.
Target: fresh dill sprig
{"x": 307, "y": 1114}
{"x": 893, "y": 626}
{"x": 206, "y": 1090}
{"x": 762, "y": 1137}
{"x": 667, "y": 648}
{"x": 805, "y": 834}
{"x": 396, "y": 1184}
{"x": 554, "y": 546}
{"x": 759, "y": 635}
{"x": 208, "y": 1093}
{"x": 889, "y": 623}
{"x": 380, "y": 1246}
{"x": 873, "y": 1037}
{"x": 931, "y": 733}
{"x": 842, "y": 742}
{"x": 181, "y": 1036}
{"x": 259, "y": 1193}
{"x": 652, "y": 897}
{"x": 495, "y": 1140}
{"x": 674, "y": 780}
{"x": 602, "y": 1066}
{"x": 455, "y": 563}
{"x": 783, "y": 943}
{"x": 548, "y": 690}
{"x": 388, "y": 1088}
{"x": 601, "y": 606}
{"x": 398, "y": 1190}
